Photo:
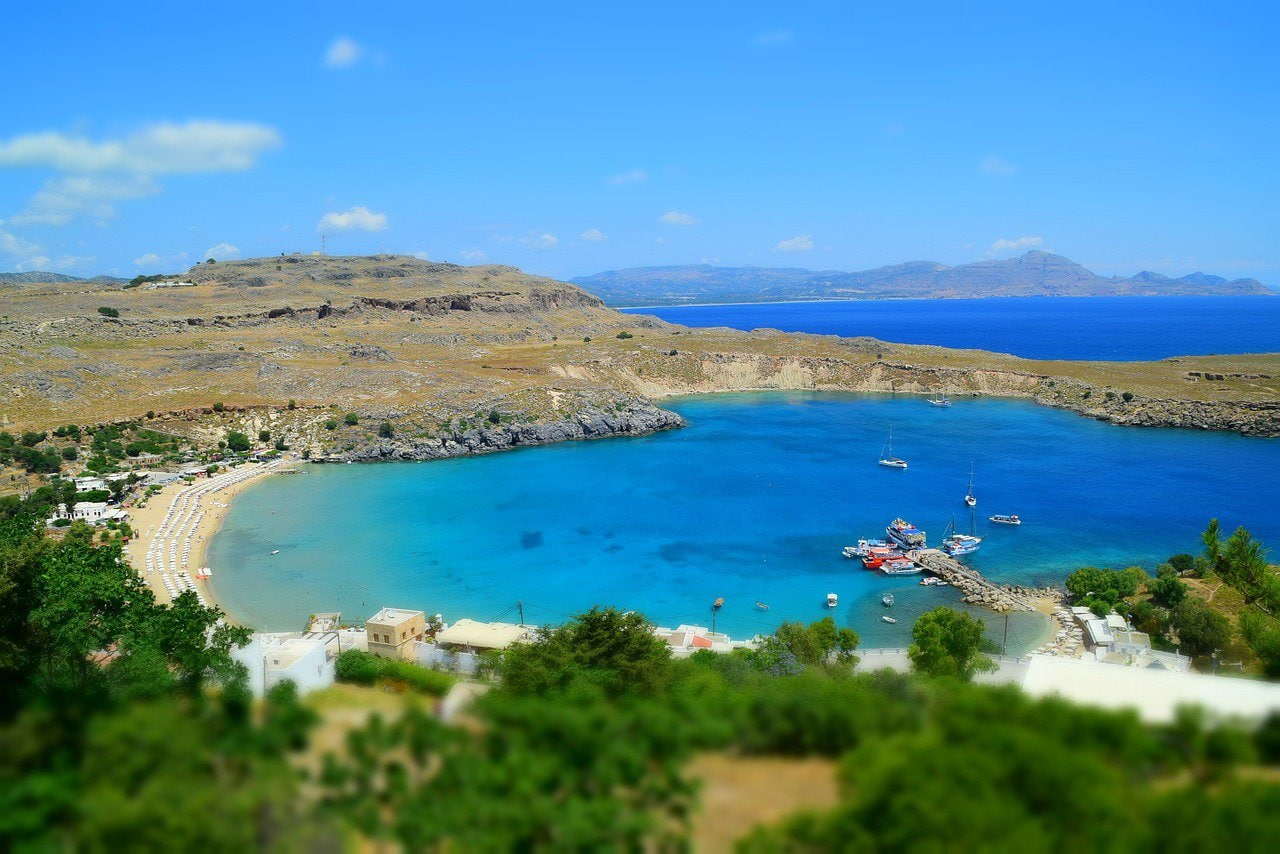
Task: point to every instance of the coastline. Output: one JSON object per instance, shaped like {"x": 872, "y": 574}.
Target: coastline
{"x": 214, "y": 505}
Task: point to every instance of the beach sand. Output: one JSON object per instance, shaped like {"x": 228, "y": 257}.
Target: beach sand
{"x": 215, "y": 505}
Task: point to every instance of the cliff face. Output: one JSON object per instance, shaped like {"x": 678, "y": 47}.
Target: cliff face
{"x": 722, "y": 372}
{"x": 592, "y": 419}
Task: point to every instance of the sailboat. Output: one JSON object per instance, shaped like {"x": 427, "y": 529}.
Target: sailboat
{"x": 939, "y": 400}
{"x": 956, "y": 544}
{"x": 886, "y": 455}
{"x": 968, "y": 496}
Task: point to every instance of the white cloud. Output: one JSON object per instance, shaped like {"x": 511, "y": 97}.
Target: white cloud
{"x": 799, "y": 243}
{"x": 594, "y": 235}
{"x": 421, "y": 256}
{"x": 343, "y": 53}
{"x": 158, "y": 149}
{"x": 1003, "y": 245}
{"x": 502, "y": 238}
{"x": 678, "y": 218}
{"x": 772, "y": 37}
{"x": 635, "y": 176}
{"x": 155, "y": 259}
{"x": 18, "y": 247}
{"x": 541, "y": 241}
{"x": 995, "y": 165}
{"x": 476, "y": 255}
{"x": 358, "y": 218}
{"x": 660, "y": 240}
{"x": 222, "y": 252}
{"x": 61, "y": 200}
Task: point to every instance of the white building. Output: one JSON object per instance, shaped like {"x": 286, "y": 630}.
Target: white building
{"x": 308, "y": 660}
{"x": 685, "y": 640}
{"x": 457, "y": 648}
{"x": 93, "y": 512}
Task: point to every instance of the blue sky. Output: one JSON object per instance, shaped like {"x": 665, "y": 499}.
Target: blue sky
{"x": 571, "y": 138}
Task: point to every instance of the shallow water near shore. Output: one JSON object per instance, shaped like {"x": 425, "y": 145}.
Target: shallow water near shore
{"x": 752, "y": 502}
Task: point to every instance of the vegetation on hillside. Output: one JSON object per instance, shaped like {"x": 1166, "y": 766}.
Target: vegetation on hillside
{"x": 127, "y": 725}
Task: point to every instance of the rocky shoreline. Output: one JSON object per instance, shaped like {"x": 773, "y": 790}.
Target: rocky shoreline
{"x": 634, "y": 416}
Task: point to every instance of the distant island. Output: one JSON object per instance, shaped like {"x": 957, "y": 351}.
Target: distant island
{"x": 1035, "y": 274}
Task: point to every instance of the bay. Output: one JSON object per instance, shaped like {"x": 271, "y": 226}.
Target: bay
{"x": 752, "y": 501}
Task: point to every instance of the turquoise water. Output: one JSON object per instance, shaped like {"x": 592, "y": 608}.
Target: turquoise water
{"x": 752, "y": 502}
{"x": 1113, "y": 328}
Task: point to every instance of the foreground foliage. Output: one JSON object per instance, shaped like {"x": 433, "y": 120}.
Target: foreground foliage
{"x": 127, "y": 726}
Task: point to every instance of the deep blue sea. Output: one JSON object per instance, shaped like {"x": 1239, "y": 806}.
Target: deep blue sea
{"x": 1110, "y": 328}
{"x": 752, "y": 502}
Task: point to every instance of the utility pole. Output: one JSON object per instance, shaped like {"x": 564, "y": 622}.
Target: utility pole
{"x": 520, "y": 606}
{"x": 1004, "y": 646}
{"x": 322, "y": 242}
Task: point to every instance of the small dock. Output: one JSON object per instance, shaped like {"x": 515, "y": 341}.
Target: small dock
{"x": 974, "y": 588}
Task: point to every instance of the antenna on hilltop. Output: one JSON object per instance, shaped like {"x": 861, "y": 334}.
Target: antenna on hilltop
{"x": 322, "y": 240}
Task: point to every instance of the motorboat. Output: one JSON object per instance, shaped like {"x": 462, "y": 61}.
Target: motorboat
{"x": 887, "y": 619}
{"x": 832, "y": 600}
{"x": 900, "y": 566}
{"x": 275, "y": 551}
{"x": 904, "y": 534}
{"x": 863, "y": 548}
{"x": 887, "y": 600}
{"x": 760, "y": 606}
{"x": 1002, "y": 519}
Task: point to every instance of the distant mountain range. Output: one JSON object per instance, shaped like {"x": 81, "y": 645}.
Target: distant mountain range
{"x": 1035, "y": 274}
{"x": 41, "y": 278}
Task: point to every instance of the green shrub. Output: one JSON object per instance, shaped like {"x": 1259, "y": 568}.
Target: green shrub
{"x": 69, "y": 452}
{"x": 360, "y": 668}
{"x": 386, "y": 431}
{"x": 106, "y": 311}
{"x": 218, "y": 407}
{"x": 61, "y": 523}
{"x": 264, "y": 435}
{"x": 351, "y": 419}
{"x": 238, "y": 442}
{"x": 624, "y": 335}
{"x": 331, "y": 424}
{"x": 1128, "y": 396}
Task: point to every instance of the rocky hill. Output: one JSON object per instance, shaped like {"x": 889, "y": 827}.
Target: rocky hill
{"x": 1034, "y": 274}
{"x": 46, "y": 278}
{"x": 433, "y": 360}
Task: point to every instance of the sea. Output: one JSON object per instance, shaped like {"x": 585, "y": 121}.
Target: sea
{"x": 1092, "y": 328}
{"x": 751, "y": 502}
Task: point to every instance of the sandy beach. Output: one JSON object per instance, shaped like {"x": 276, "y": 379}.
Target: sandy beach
{"x": 175, "y": 526}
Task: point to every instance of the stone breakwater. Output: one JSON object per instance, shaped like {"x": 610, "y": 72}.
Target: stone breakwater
{"x": 626, "y": 417}
{"x": 975, "y": 589}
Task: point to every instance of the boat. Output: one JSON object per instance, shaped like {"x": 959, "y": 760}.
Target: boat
{"x": 900, "y": 565}
{"x": 887, "y": 600}
{"x": 940, "y": 400}
{"x": 832, "y": 600}
{"x": 877, "y": 555}
{"x": 956, "y": 544}
{"x": 1002, "y": 519}
{"x": 275, "y": 551}
{"x": 719, "y": 603}
{"x": 863, "y": 548}
{"x": 904, "y": 534}
{"x": 762, "y": 606}
{"x": 886, "y": 618}
{"x": 968, "y": 496}
{"x": 887, "y": 458}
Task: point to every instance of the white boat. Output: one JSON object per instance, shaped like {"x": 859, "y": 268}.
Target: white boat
{"x": 887, "y": 458}
{"x": 887, "y": 600}
{"x": 762, "y": 606}
{"x": 968, "y": 496}
{"x": 832, "y": 600}
{"x": 956, "y": 544}
{"x": 863, "y": 548}
{"x": 275, "y": 552}
{"x": 940, "y": 400}
{"x": 900, "y": 566}
{"x": 1002, "y": 519}
{"x": 886, "y": 618}
{"x": 904, "y": 534}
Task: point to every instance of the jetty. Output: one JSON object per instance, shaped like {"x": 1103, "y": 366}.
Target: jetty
{"x": 975, "y": 588}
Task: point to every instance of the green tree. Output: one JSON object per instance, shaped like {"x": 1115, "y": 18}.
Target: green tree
{"x": 385, "y": 430}
{"x": 604, "y": 649}
{"x": 1200, "y": 629}
{"x": 947, "y": 642}
{"x": 238, "y": 442}
{"x": 264, "y": 435}
{"x": 1167, "y": 590}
